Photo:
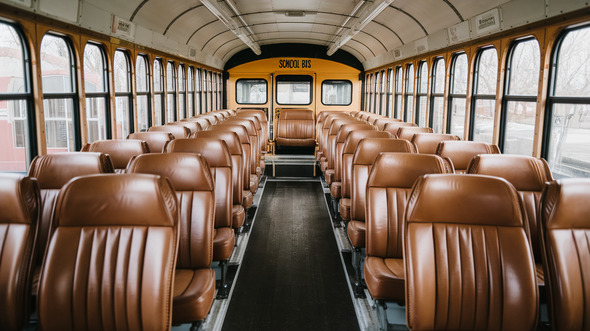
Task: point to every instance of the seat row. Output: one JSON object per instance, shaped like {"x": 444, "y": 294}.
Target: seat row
{"x": 217, "y": 161}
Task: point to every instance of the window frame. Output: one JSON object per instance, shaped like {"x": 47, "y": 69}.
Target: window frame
{"x": 398, "y": 94}
{"x": 129, "y": 93}
{"x": 147, "y": 93}
{"x": 311, "y": 81}
{"x": 475, "y": 96}
{"x": 248, "y": 103}
{"x": 409, "y": 106}
{"x": 104, "y": 95}
{"x": 421, "y": 94}
{"x": 452, "y": 95}
{"x": 161, "y": 92}
{"x": 389, "y": 93}
{"x": 348, "y": 82}
{"x": 434, "y": 94}
{"x": 171, "y": 114}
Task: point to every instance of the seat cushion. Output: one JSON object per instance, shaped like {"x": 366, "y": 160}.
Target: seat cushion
{"x": 194, "y": 291}
{"x": 356, "y": 233}
{"x": 238, "y": 215}
{"x": 329, "y": 174}
{"x": 247, "y": 198}
{"x": 223, "y": 244}
{"x": 336, "y": 189}
{"x": 344, "y": 208}
{"x": 385, "y": 278}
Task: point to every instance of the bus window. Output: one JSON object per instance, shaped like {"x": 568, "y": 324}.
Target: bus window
{"x": 398, "y": 93}
{"x": 568, "y": 150}
{"x": 336, "y": 92}
{"x": 484, "y": 95}
{"x": 158, "y": 92}
{"x": 15, "y": 104}
{"x": 294, "y": 89}
{"x": 251, "y": 91}
{"x": 97, "y": 93}
{"x": 422, "y": 94}
{"x": 458, "y": 95}
{"x": 409, "y": 95}
{"x": 170, "y": 92}
{"x": 142, "y": 79}
{"x": 389, "y": 107}
{"x": 437, "y": 96}
{"x": 181, "y": 92}
{"x": 123, "y": 101}
{"x": 520, "y": 100}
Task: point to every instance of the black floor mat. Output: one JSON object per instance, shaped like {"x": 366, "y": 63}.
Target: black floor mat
{"x": 291, "y": 276}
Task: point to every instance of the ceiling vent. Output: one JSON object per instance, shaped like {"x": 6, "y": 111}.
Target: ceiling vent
{"x": 294, "y": 13}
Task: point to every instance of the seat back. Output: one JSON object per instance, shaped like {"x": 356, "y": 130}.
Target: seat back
{"x": 350, "y": 144}
{"x": 325, "y": 131}
{"x": 393, "y": 126}
{"x": 235, "y": 149}
{"x": 154, "y": 140}
{"x": 248, "y": 124}
{"x": 462, "y": 152}
{"x": 468, "y": 264}
{"x": 19, "y": 218}
{"x": 295, "y": 127}
{"x": 218, "y": 158}
{"x": 110, "y": 263}
{"x": 362, "y": 162}
{"x": 52, "y": 172}
{"x": 191, "y": 178}
{"x": 380, "y": 123}
{"x": 331, "y": 145}
{"x": 427, "y": 143}
{"x": 261, "y": 115}
{"x": 192, "y": 126}
{"x": 204, "y": 123}
{"x": 388, "y": 188}
{"x": 343, "y": 133}
{"x": 565, "y": 229}
{"x": 120, "y": 151}
{"x": 259, "y": 129}
{"x": 178, "y": 131}
{"x": 528, "y": 175}
{"x": 408, "y": 132}
{"x": 242, "y": 133}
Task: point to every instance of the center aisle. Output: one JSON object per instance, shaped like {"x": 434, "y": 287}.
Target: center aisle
{"x": 291, "y": 276}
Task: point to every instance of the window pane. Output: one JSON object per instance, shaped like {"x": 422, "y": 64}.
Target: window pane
{"x": 181, "y": 78}
{"x": 191, "y": 103}
{"x": 422, "y": 111}
{"x": 96, "y": 118}
{"x": 439, "y": 75}
{"x": 12, "y": 61}
{"x": 94, "y": 69}
{"x": 15, "y": 147}
{"x": 171, "y": 109}
{"x": 423, "y": 88}
{"x": 142, "y": 113}
{"x": 573, "y": 64}
{"x": 483, "y": 121}
{"x": 524, "y": 68}
{"x": 59, "y": 129}
{"x": 170, "y": 77}
{"x": 251, "y": 91}
{"x": 141, "y": 74}
{"x": 569, "y": 152}
{"x": 410, "y": 79}
{"x": 294, "y": 90}
{"x": 520, "y": 127}
{"x": 158, "y": 87}
{"x": 158, "y": 109}
{"x": 437, "y": 114}
{"x": 458, "y": 116}
{"x": 409, "y": 93}
{"x": 487, "y": 71}
{"x": 56, "y": 65}
{"x": 181, "y": 105}
{"x": 460, "y": 74}
{"x": 337, "y": 92}
{"x": 122, "y": 72}
{"x": 123, "y": 126}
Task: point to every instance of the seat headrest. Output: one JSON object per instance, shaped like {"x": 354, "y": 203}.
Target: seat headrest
{"x": 126, "y": 200}
{"x": 464, "y": 199}
{"x": 192, "y": 126}
{"x": 331, "y": 118}
{"x": 525, "y": 173}
{"x": 254, "y": 120}
{"x": 368, "y": 149}
{"x": 178, "y": 131}
{"x": 462, "y": 152}
{"x": 296, "y": 114}
{"x": 427, "y": 143}
{"x": 348, "y": 128}
{"x": 239, "y": 129}
{"x": 54, "y": 170}
{"x": 402, "y": 169}
{"x": 381, "y": 122}
{"x": 565, "y": 205}
{"x": 407, "y": 132}
{"x": 155, "y": 140}
{"x": 120, "y": 150}
{"x": 19, "y": 199}
{"x": 231, "y": 139}
{"x": 253, "y": 112}
{"x": 186, "y": 171}
{"x": 337, "y": 124}
{"x": 354, "y": 138}
{"x": 247, "y": 123}
{"x": 214, "y": 150}
{"x": 210, "y": 118}
{"x": 202, "y": 122}
{"x": 393, "y": 127}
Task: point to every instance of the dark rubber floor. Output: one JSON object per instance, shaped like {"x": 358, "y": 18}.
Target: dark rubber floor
{"x": 291, "y": 277}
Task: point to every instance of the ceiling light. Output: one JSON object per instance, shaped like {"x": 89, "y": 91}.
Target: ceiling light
{"x": 226, "y": 11}
{"x": 367, "y": 10}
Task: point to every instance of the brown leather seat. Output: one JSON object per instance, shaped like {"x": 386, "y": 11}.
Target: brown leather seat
{"x": 210, "y": 117}
{"x": 408, "y": 132}
{"x": 323, "y": 138}
{"x": 53, "y": 171}
{"x": 235, "y": 149}
{"x": 204, "y": 123}
{"x": 19, "y": 218}
{"x": 178, "y": 131}
{"x": 255, "y": 170}
{"x": 120, "y": 151}
{"x": 192, "y": 126}
{"x": 216, "y": 152}
{"x": 565, "y": 229}
{"x": 382, "y": 122}
{"x": 462, "y": 152}
{"x": 528, "y": 175}
{"x": 194, "y": 282}
{"x": 388, "y": 187}
{"x": 261, "y": 115}
{"x": 427, "y": 143}
{"x": 330, "y": 149}
{"x": 350, "y": 144}
{"x": 259, "y": 135}
{"x": 154, "y": 140}
{"x": 295, "y": 127}
{"x": 240, "y": 130}
{"x": 393, "y": 126}
{"x": 319, "y": 131}
{"x": 468, "y": 263}
{"x": 115, "y": 232}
